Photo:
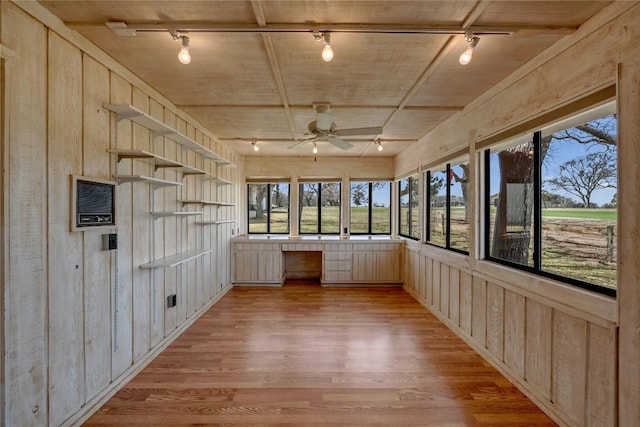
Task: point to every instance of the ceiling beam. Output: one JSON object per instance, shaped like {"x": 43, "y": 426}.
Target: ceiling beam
{"x": 273, "y": 63}
{"x": 467, "y": 25}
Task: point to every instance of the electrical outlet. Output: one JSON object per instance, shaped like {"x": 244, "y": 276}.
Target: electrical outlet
{"x": 109, "y": 241}
{"x": 172, "y": 300}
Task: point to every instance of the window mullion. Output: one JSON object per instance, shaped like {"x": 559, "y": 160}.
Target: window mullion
{"x": 447, "y": 208}
{"x": 537, "y": 198}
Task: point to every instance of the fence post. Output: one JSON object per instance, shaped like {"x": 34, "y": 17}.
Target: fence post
{"x": 609, "y": 243}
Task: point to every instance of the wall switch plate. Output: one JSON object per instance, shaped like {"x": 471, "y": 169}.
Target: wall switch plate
{"x": 110, "y": 241}
{"x": 172, "y": 300}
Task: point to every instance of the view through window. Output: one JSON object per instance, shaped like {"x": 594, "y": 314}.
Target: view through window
{"x": 370, "y": 207}
{"x": 552, "y": 200}
{"x": 268, "y": 208}
{"x": 320, "y": 208}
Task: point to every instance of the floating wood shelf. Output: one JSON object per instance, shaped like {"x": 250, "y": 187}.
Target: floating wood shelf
{"x": 226, "y": 221}
{"x": 218, "y": 181}
{"x": 126, "y": 111}
{"x": 141, "y": 178}
{"x": 177, "y": 259}
{"x": 157, "y": 161}
{"x": 159, "y": 214}
{"x": 205, "y": 202}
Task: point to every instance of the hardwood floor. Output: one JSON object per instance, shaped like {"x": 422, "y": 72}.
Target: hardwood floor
{"x": 302, "y": 355}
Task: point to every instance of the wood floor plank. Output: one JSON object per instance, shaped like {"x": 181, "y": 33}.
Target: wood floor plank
{"x": 302, "y": 355}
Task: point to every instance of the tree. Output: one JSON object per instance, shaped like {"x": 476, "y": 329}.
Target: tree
{"x": 358, "y": 194}
{"x": 260, "y": 194}
{"x": 583, "y": 175}
{"x": 309, "y": 194}
{"x": 516, "y": 166}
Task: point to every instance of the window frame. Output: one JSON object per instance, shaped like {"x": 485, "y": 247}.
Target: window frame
{"x": 448, "y": 182}
{"x": 269, "y": 189}
{"x": 536, "y": 225}
{"x": 319, "y": 207}
{"x": 409, "y": 180}
{"x": 370, "y": 208}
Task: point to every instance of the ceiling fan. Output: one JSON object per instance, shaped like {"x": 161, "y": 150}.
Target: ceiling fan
{"x": 324, "y": 129}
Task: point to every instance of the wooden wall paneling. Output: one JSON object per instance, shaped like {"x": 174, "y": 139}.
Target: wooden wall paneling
{"x": 444, "y": 289}
{"x": 171, "y": 194}
{"x": 141, "y": 231}
{"x": 569, "y": 364}
{"x": 601, "y": 376}
{"x": 495, "y": 320}
{"x": 538, "y": 333}
{"x": 454, "y": 295}
{"x": 26, "y": 78}
{"x": 416, "y": 269}
{"x": 629, "y": 274}
{"x": 429, "y": 279}
{"x": 422, "y": 279}
{"x": 436, "y": 284}
{"x": 66, "y": 298}
{"x": 479, "y": 311}
{"x": 98, "y": 263}
{"x": 158, "y": 295}
{"x": 186, "y": 287}
{"x": 466, "y": 302}
{"x": 196, "y": 231}
{"x": 514, "y": 332}
{"x": 122, "y": 294}
{"x": 189, "y": 238}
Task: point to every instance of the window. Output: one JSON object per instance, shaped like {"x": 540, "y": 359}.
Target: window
{"x": 268, "y": 208}
{"x": 320, "y": 208}
{"x": 448, "y": 207}
{"x": 408, "y": 207}
{"x": 370, "y": 208}
{"x": 550, "y": 201}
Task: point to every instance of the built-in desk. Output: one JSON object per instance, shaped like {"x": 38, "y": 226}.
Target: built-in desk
{"x": 259, "y": 259}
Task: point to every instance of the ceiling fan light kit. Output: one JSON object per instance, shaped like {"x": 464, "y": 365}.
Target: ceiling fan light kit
{"x": 324, "y": 129}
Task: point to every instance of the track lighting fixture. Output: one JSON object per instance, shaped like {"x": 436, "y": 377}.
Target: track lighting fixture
{"x": 379, "y": 144}
{"x": 327, "y": 51}
{"x": 183, "y": 56}
{"x": 315, "y": 148}
{"x": 255, "y": 146}
{"x": 465, "y": 57}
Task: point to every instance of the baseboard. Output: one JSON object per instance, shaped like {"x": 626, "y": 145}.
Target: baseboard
{"x": 101, "y": 398}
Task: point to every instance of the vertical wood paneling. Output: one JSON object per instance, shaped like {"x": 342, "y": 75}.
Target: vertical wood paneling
{"x": 66, "y": 298}
{"x": 514, "y": 332}
{"x": 429, "y": 279}
{"x": 122, "y": 310}
{"x": 444, "y": 289}
{"x": 495, "y": 319}
{"x": 141, "y": 237}
{"x": 454, "y": 295}
{"x": 436, "y": 284}
{"x": 538, "y": 332}
{"x": 601, "y": 382}
{"x": 479, "y": 311}
{"x": 158, "y": 294}
{"x": 422, "y": 280}
{"x": 569, "y": 360}
{"x": 26, "y": 233}
{"x": 466, "y": 302}
{"x": 170, "y": 234}
{"x": 629, "y": 234}
{"x": 97, "y": 262}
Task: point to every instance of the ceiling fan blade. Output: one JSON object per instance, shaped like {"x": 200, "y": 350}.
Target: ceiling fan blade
{"x": 339, "y": 143}
{"x": 358, "y": 131}
{"x": 299, "y": 143}
{"x": 324, "y": 121}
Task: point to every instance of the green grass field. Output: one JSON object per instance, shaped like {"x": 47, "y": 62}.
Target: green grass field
{"x": 576, "y": 213}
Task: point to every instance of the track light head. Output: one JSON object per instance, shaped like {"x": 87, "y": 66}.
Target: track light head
{"x": 465, "y": 57}
{"x": 255, "y": 146}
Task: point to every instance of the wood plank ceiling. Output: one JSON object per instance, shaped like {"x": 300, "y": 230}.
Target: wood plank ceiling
{"x": 260, "y": 84}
